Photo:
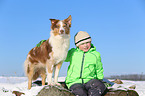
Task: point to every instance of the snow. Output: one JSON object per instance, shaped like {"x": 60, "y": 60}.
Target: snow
{"x": 140, "y": 86}
{"x": 10, "y": 84}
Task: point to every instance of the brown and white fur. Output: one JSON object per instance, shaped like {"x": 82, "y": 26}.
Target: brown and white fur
{"x": 41, "y": 61}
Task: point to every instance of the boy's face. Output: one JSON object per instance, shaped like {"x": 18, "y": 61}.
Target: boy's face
{"x": 85, "y": 46}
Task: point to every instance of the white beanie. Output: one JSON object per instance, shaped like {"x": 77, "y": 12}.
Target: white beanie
{"x": 82, "y": 37}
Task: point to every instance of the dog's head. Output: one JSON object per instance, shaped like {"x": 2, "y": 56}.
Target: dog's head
{"x": 61, "y": 27}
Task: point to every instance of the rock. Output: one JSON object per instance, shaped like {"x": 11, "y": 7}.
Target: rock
{"x": 121, "y": 93}
{"x": 132, "y": 93}
{"x": 132, "y": 87}
{"x": 5, "y": 90}
{"x": 116, "y": 93}
{"x": 118, "y": 81}
{"x": 54, "y": 91}
{"x": 17, "y": 93}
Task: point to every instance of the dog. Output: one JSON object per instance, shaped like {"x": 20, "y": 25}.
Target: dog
{"x": 41, "y": 61}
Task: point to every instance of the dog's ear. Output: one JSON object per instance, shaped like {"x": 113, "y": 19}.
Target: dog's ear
{"x": 68, "y": 20}
{"x": 53, "y": 21}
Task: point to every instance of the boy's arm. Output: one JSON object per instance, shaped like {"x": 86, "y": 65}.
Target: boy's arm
{"x": 99, "y": 69}
{"x": 69, "y": 54}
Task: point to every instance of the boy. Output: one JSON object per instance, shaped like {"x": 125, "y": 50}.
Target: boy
{"x": 85, "y": 71}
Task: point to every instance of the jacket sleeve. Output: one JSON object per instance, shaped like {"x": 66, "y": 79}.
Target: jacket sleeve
{"x": 99, "y": 70}
{"x": 69, "y": 55}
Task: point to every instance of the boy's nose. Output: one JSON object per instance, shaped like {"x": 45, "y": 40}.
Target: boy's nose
{"x": 85, "y": 44}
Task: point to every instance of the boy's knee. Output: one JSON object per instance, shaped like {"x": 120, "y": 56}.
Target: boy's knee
{"x": 78, "y": 90}
{"x": 95, "y": 86}
{"x": 95, "y": 83}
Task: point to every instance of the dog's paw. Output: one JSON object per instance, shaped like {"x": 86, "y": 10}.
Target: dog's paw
{"x": 58, "y": 84}
{"x": 51, "y": 84}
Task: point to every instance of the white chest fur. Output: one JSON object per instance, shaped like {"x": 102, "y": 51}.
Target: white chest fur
{"x": 60, "y": 46}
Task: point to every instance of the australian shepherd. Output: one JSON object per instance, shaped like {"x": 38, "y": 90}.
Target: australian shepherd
{"x": 41, "y": 61}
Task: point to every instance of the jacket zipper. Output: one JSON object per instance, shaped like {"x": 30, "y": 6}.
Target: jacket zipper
{"x": 82, "y": 68}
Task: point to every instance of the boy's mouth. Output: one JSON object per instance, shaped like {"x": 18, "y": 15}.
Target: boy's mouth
{"x": 86, "y": 48}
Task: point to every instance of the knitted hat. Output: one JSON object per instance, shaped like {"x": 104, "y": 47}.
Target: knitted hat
{"x": 82, "y": 37}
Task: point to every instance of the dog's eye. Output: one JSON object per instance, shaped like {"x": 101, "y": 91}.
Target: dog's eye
{"x": 57, "y": 26}
{"x": 64, "y": 26}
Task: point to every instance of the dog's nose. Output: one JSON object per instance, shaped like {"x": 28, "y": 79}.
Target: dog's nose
{"x": 61, "y": 31}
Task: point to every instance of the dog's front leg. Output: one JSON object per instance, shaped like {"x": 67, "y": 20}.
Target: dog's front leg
{"x": 43, "y": 76}
{"x": 57, "y": 69}
{"x": 49, "y": 70}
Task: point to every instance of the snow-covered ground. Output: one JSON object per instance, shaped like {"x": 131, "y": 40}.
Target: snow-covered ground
{"x": 10, "y": 84}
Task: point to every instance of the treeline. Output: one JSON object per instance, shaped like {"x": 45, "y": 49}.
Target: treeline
{"x": 135, "y": 77}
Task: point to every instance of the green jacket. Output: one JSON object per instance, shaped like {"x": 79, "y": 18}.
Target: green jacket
{"x": 84, "y": 66}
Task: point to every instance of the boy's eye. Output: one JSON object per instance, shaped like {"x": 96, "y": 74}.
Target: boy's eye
{"x": 82, "y": 43}
{"x": 85, "y": 43}
{"x": 88, "y": 42}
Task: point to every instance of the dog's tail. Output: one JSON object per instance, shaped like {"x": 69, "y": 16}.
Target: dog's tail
{"x": 28, "y": 70}
{"x": 26, "y": 67}
{"x": 35, "y": 75}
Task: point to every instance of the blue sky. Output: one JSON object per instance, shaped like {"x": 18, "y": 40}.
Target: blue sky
{"x": 117, "y": 28}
